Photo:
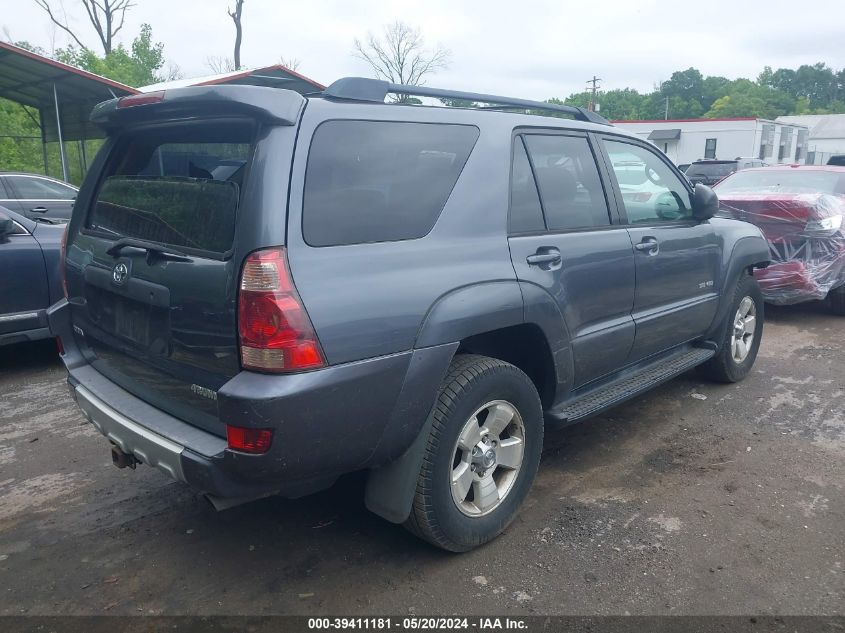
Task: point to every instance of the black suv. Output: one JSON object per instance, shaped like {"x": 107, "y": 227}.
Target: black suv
{"x": 267, "y": 291}
{"x": 709, "y": 171}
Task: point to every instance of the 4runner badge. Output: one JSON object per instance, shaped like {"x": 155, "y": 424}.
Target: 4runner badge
{"x": 204, "y": 392}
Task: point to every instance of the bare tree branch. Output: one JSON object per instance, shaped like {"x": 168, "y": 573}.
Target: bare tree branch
{"x": 106, "y": 16}
{"x": 44, "y": 4}
{"x": 236, "y": 18}
{"x": 400, "y": 56}
{"x": 219, "y": 65}
{"x": 291, "y": 63}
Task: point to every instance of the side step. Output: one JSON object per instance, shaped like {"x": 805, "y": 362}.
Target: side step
{"x": 631, "y": 385}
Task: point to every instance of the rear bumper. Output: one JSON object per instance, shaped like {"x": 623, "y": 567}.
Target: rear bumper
{"x": 327, "y": 422}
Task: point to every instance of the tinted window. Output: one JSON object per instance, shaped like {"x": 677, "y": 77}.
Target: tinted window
{"x": 526, "y": 212}
{"x": 3, "y": 194}
{"x": 712, "y": 169}
{"x": 379, "y": 181}
{"x": 570, "y": 188}
{"x": 31, "y": 188}
{"x": 178, "y": 187}
{"x": 651, "y": 192}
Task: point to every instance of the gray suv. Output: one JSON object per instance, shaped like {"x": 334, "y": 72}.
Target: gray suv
{"x": 266, "y": 291}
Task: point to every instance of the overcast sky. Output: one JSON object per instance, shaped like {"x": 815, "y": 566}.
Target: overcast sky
{"x": 529, "y": 48}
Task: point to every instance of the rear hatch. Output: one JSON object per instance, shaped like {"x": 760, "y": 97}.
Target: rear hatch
{"x": 710, "y": 172}
{"x": 153, "y": 266}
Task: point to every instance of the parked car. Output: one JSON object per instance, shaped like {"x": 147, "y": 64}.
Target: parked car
{"x": 37, "y": 196}
{"x": 710, "y": 171}
{"x": 800, "y": 210}
{"x": 837, "y": 159}
{"x": 30, "y": 281}
{"x": 413, "y": 291}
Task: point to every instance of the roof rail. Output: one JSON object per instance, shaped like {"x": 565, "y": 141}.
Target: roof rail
{"x": 375, "y": 90}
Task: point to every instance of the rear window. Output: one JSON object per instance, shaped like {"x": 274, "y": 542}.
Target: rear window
{"x": 711, "y": 170}
{"x": 784, "y": 181}
{"x": 176, "y": 186}
{"x": 379, "y": 181}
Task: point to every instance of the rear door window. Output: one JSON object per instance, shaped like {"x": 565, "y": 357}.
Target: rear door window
{"x": 526, "y": 214}
{"x": 570, "y": 188}
{"x": 379, "y": 181}
{"x": 176, "y": 186}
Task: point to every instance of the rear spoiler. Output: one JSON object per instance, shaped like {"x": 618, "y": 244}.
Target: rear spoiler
{"x": 269, "y": 105}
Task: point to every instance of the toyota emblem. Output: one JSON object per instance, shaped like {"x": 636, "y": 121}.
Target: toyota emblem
{"x": 120, "y": 274}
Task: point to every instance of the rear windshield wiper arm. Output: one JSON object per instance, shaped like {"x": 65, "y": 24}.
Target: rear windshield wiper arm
{"x": 151, "y": 248}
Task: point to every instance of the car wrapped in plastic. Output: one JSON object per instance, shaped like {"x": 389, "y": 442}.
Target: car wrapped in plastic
{"x": 801, "y": 212}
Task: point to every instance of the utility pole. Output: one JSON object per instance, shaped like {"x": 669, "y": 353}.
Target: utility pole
{"x": 666, "y": 116}
{"x": 594, "y": 81}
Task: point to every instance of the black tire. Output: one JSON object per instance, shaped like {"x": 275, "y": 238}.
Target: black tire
{"x": 471, "y": 382}
{"x": 723, "y": 367}
{"x": 837, "y": 300}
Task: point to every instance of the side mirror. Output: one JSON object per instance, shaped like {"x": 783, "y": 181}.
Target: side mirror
{"x": 7, "y": 228}
{"x": 705, "y": 203}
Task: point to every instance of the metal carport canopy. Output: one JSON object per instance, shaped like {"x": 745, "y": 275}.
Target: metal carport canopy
{"x": 62, "y": 94}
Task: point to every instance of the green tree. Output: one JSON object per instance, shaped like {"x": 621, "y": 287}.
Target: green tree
{"x": 138, "y": 66}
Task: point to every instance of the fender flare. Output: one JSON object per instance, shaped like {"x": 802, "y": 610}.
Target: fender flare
{"x": 748, "y": 252}
{"x": 457, "y": 315}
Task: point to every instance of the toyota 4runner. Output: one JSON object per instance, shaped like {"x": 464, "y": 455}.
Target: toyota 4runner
{"x": 265, "y": 291}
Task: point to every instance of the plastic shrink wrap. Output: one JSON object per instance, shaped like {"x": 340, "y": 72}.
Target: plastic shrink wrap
{"x": 806, "y": 236}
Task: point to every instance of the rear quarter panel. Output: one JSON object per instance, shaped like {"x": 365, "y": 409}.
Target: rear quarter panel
{"x": 368, "y": 300}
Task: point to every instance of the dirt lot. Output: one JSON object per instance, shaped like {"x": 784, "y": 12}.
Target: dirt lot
{"x": 694, "y": 499}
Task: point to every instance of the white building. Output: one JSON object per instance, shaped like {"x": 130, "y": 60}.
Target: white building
{"x": 687, "y": 140}
{"x": 827, "y": 135}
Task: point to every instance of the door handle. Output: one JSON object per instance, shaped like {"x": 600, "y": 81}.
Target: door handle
{"x": 649, "y": 244}
{"x": 39, "y": 210}
{"x": 544, "y": 255}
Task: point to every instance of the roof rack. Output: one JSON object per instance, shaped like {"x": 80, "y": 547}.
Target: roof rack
{"x": 375, "y": 90}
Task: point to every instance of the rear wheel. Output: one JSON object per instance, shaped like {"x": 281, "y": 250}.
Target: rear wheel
{"x": 482, "y": 454}
{"x": 741, "y": 338}
{"x": 837, "y": 300}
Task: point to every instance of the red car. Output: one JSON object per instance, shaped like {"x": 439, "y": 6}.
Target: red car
{"x": 801, "y": 211}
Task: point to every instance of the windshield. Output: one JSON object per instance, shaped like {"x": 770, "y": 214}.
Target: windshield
{"x": 711, "y": 170}
{"x": 783, "y": 181}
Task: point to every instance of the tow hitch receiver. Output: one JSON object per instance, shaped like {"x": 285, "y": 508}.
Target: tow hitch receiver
{"x": 121, "y": 459}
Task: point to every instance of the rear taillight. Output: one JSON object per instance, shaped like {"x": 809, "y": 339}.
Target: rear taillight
{"x": 141, "y": 99}
{"x": 276, "y": 334}
{"x": 245, "y": 440}
{"x": 62, "y": 252}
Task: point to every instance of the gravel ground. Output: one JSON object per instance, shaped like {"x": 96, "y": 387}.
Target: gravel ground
{"x": 693, "y": 499}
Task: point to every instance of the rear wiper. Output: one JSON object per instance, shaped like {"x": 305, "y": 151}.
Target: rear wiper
{"x": 153, "y": 250}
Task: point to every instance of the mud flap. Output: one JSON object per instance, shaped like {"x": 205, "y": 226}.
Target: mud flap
{"x": 390, "y": 489}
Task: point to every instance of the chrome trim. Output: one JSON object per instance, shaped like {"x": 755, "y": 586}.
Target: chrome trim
{"x": 150, "y": 448}
{"x": 18, "y": 317}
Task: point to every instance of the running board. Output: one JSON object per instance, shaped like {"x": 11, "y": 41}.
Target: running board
{"x": 605, "y": 397}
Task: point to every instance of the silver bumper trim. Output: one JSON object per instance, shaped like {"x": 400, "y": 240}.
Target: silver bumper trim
{"x": 149, "y": 447}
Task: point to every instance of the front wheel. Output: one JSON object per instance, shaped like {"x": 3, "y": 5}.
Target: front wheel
{"x": 482, "y": 454}
{"x": 741, "y": 339}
